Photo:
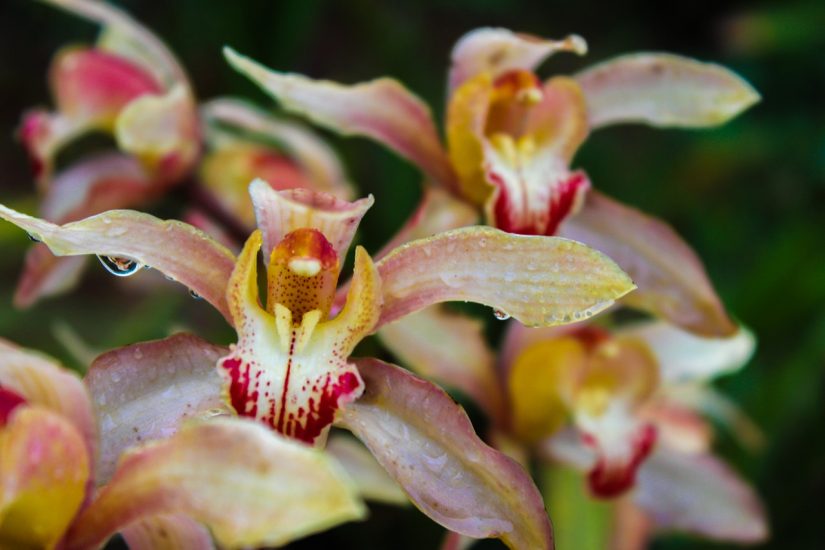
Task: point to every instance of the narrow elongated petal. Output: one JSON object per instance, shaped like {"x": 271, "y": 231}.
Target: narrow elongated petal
{"x": 282, "y": 212}
{"x": 684, "y": 357}
{"x": 672, "y": 281}
{"x": 427, "y": 444}
{"x": 43, "y": 382}
{"x": 250, "y": 486}
{"x": 299, "y": 143}
{"x": 699, "y": 494}
{"x": 167, "y": 533}
{"x": 176, "y": 249}
{"x": 44, "y": 468}
{"x": 126, "y": 37}
{"x": 663, "y": 90}
{"x": 537, "y": 280}
{"x": 380, "y": 109}
{"x": 145, "y": 391}
{"x": 450, "y": 349}
{"x": 371, "y": 479}
{"x": 496, "y": 51}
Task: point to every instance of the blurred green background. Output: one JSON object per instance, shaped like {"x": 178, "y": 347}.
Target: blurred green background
{"x": 748, "y": 196}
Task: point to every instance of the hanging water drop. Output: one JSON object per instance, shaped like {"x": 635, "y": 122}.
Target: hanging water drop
{"x": 120, "y": 267}
{"x": 195, "y": 295}
{"x": 500, "y": 315}
{"x": 33, "y": 238}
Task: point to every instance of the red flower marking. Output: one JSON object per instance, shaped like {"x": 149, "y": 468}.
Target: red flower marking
{"x": 244, "y": 403}
{"x": 9, "y": 400}
{"x": 609, "y": 479}
{"x": 321, "y": 413}
{"x": 563, "y": 200}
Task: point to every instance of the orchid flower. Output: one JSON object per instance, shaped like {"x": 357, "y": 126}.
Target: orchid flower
{"x": 130, "y": 86}
{"x": 291, "y": 369}
{"x": 510, "y": 141}
{"x": 623, "y": 406}
{"x": 169, "y": 494}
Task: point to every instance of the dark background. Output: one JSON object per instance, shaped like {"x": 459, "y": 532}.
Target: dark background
{"x": 748, "y": 196}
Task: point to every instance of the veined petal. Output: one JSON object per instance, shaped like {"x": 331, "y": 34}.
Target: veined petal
{"x": 44, "y": 468}
{"x": 320, "y": 162}
{"x": 279, "y": 490}
{"x": 282, "y": 212}
{"x": 126, "y": 37}
{"x": 168, "y": 532}
{"x": 380, "y": 109}
{"x": 176, "y": 249}
{"x": 685, "y": 357}
{"x": 41, "y": 381}
{"x": 537, "y": 280}
{"x": 162, "y": 130}
{"x": 372, "y": 480}
{"x": 663, "y": 90}
{"x": 427, "y": 444}
{"x": 145, "y": 391}
{"x": 699, "y": 494}
{"x": 450, "y": 349}
{"x": 672, "y": 281}
{"x": 496, "y": 51}
{"x": 290, "y": 372}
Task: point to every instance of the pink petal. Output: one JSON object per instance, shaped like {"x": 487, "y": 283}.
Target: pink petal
{"x": 537, "y": 280}
{"x": 249, "y": 486}
{"x": 176, "y": 249}
{"x": 45, "y": 274}
{"x": 428, "y": 445}
{"x": 43, "y": 476}
{"x": 299, "y": 143}
{"x": 450, "y": 349}
{"x": 125, "y": 37}
{"x": 372, "y": 480}
{"x": 699, "y": 494}
{"x": 672, "y": 281}
{"x": 145, "y": 391}
{"x": 167, "y": 533}
{"x": 663, "y": 90}
{"x": 43, "y": 382}
{"x": 281, "y": 212}
{"x": 497, "y": 51}
{"x": 380, "y": 109}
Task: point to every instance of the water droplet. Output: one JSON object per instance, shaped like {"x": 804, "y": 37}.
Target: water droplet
{"x": 195, "y": 295}
{"x": 33, "y": 238}
{"x": 500, "y": 315}
{"x": 120, "y": 267}
{"x": 147, "y": 267}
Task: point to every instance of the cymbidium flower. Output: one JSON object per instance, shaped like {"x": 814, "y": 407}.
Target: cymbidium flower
{"x": 166, "y": 494}
{"x": 623, "y": 406}
{"x": 291, "y": 369}
{"x": 511, "y": 140}
{"x": 128, "y": 85}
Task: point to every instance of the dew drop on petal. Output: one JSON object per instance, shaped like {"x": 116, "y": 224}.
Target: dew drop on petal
{"x": 500, "y": 315}
{"x": 120, "y": 267}
{"x": 195, "y": 295}
{"x": 33, "y": 238}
